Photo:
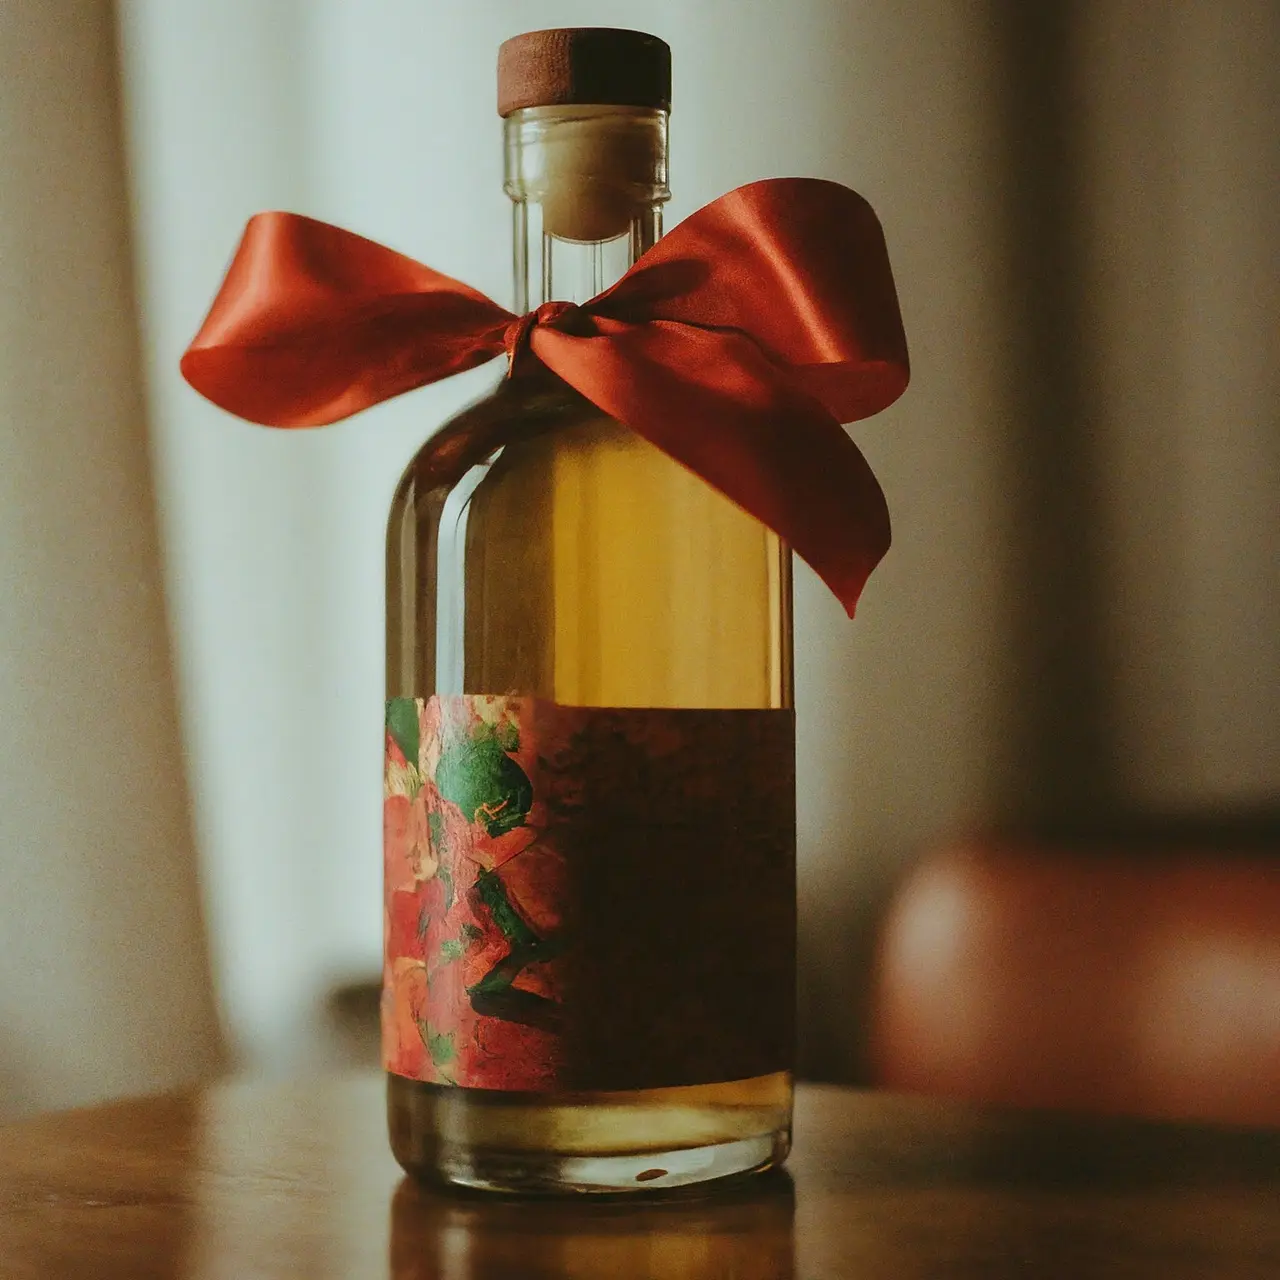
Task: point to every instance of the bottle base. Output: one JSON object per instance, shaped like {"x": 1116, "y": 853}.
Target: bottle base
{"x": 523, "y": 1173}
{"x": 589, "y": 1144}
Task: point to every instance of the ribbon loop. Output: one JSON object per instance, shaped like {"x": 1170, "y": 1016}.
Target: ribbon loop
{"x": 737, "y": 345}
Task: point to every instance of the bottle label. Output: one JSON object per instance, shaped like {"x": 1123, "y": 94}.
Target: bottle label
{"x": 582, "y": 898}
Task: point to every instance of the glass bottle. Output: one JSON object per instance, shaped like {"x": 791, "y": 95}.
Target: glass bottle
{"x": 554, "y": 579}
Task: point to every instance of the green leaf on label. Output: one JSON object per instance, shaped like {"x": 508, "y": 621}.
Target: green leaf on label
{"x": 485, "y": 783}
{"x": 441, "y": 1049}
{"x": 402, "y": 725}
{"x": 452, "y": 949}
{"x": 446, "y": 879}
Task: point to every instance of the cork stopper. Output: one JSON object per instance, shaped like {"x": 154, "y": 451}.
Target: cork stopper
{"x": 596, "y": 66}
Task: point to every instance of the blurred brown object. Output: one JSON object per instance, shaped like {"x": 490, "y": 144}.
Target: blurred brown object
{"x": 1130, "y": 982}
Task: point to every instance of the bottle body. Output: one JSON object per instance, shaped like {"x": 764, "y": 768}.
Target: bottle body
{"x": 567, "y": 572}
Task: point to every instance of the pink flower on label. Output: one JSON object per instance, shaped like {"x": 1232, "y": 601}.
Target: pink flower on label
{"x": 494, "y": 851}
{"x": 428, "y": 737}
{"x": 403, "y": 1019}
{"x": 407, "y": 919}
{"x": 406, "y": 841}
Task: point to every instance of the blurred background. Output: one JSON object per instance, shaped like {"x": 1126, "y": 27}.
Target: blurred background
{"x": 1070, "y": 661}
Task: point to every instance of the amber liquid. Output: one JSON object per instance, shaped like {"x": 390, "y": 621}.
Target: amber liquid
{"x": 564, "y": 557}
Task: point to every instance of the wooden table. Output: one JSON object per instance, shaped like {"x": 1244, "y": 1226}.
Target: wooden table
{"x": 269, "y": 1180}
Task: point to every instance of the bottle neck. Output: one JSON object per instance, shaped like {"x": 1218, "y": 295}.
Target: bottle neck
{"x": 588, "y": 186}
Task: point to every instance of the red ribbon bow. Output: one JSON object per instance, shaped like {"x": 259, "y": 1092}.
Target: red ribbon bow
{"x": 737, "y": 345}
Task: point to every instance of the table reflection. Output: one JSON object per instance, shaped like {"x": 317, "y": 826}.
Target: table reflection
{"x": 746, "y": 1233}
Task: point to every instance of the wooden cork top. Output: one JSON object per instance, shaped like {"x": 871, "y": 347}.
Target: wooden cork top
{"x": 600, "y": 66}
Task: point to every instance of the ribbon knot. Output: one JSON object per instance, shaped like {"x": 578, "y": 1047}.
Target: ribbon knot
{"x": 516, "y": 336}
{"x": 737, "y": 345}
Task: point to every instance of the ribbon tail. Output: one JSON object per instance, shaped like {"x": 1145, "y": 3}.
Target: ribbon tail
{"x": 714, "y": 402}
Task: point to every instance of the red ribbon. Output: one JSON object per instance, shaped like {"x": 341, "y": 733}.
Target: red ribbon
{"x": 738, "y": 344}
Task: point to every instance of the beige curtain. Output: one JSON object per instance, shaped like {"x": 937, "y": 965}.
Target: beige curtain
{"x": 104, "y": 983}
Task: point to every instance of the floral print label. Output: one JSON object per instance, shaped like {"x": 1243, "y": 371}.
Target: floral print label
{"x": 586, "y": 898}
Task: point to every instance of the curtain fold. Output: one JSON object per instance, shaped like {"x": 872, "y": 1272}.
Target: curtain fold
{"x": 104, "y": 980}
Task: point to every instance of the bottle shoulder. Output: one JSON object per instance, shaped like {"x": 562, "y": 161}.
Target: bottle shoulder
{"x": 515, "y": 411}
